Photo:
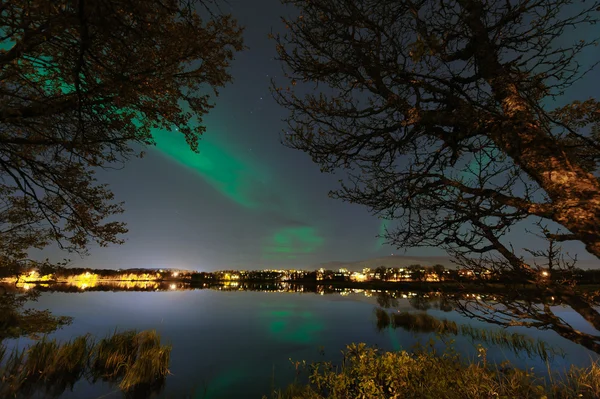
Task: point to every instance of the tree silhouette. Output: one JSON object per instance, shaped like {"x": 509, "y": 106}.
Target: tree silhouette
{"x": 436, "y": 112}
{"x": 83, "y": 84}
{"x": 439, "y": 270}
{"x": 416, "y": 272}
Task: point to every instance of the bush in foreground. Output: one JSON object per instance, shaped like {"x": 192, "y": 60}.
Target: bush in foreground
{"x": 367, "y": 373}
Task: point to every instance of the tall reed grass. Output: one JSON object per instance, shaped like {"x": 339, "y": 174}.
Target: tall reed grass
{"x": 133, "y": 360}
{"x": 423, "y": 322}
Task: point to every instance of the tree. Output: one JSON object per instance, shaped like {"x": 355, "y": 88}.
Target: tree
{"x": 438, "y": 112}
{"x": 83, "y": 84}
{"x": 439, "y": 270}
{"x": 416, "y": 272}
{"x": 382, "y": 272}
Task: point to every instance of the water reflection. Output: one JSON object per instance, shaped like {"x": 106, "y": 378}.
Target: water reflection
{"x": 224, "y": 337}
{"x": 385, "y": 298}
{"x": 485, "y": 306}
{"x": 422, "y": 322}
{"x": 421, "y": 299}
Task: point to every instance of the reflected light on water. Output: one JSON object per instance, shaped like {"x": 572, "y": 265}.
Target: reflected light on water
{"x": 92, "y": 283}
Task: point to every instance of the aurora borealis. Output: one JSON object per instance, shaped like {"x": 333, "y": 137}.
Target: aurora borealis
{"x": 244, "y": 201}
{"x": 236, "y": 179}
{"x": 247, "y": 184}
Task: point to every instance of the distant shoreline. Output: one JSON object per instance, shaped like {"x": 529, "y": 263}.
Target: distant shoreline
{"x": 422, "y": 286}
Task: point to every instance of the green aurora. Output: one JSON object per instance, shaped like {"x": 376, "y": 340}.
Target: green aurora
{"x": 239, "y": 179}
{"x": 234, "y": 177}
{"x": 244, "y": 182}
{"x": 286, "y": 322}
{"x": 289, "y": 242}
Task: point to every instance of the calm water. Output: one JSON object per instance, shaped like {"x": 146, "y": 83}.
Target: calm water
{"x": 237, "y": 344}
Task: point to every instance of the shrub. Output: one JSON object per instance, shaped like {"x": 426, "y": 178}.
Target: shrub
{"x": 367, "y": 373}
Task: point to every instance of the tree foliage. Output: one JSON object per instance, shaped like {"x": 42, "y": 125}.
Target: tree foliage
{"x": 441, "y": 115}
{"x": 367, "y": 372}
{"x": 82, "y": 85}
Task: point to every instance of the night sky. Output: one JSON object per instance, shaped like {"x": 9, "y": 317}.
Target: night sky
{"x": 245, "y": 201}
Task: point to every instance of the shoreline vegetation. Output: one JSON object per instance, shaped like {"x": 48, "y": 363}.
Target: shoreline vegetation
{"x": 270, "y": 285}
{"x": 136, "y": 362}
{"x": 415, "y": 277}
{"x": 421, "y": 322}
{"x": 367, "y": 372}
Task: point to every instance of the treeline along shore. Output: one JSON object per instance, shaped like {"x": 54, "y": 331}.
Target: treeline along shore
{"x": 415, "y": 277}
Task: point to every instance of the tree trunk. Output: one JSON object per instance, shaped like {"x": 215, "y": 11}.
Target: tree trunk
{"x": 575, "y": 193}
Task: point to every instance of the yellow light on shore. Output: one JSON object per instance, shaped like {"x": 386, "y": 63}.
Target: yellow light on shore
{"x": 358, "y": 276}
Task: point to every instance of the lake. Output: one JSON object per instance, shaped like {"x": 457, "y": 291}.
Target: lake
{"x": 238, "y": 344}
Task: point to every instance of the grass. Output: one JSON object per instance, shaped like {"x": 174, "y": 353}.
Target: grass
{"x": 423, "y": 322}
{"x": 151, "y": 363}
{"x": 372, "y": 374}
{"x": 133, "y": 360}
{"x": 111, "y": 356}
{"x": 138, "y": 363}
